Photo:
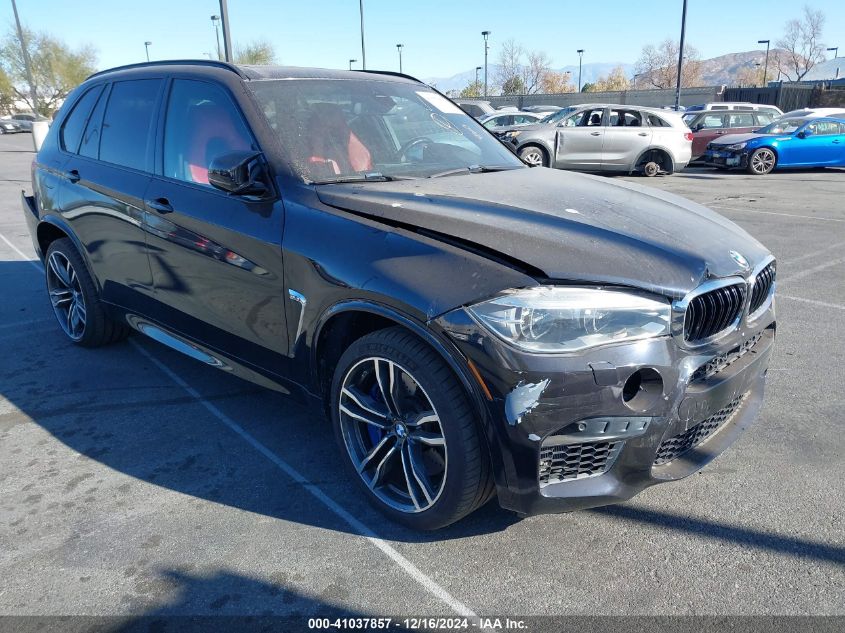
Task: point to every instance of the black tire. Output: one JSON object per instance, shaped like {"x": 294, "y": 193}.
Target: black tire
{"x": 762, "y": 161}
{"x": 98, "y": 328}
{"x": 467, "y": 483}
{"x": 534, "y": 155}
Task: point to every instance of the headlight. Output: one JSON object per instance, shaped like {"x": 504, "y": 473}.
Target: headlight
{"x": 737, "y": 146}
{"x": 552, "y": 319}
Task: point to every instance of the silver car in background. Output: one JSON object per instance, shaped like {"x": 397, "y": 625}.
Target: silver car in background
{"x": 606, "y": 137}
{"x": 500, "y": 120}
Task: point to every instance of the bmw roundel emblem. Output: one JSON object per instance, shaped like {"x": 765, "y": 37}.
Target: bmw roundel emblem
{"x": 739, "y": 259}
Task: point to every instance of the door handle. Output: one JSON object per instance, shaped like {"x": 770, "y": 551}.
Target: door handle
{"x": 595, "y": 133}
{"x": 72, "y": 176}
{"x": 643, "y": 134}
{"x": 162, "y": 205}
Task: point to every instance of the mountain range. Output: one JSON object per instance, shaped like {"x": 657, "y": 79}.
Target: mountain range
{"x": 714, "y": 71}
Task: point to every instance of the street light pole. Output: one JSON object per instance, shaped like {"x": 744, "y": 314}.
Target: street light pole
{"x": 580, "y": 52}
{"x": 363, "y": 48}
{"x": 681, "y": 57}
{"x": 147, "y": 48}
{"x": 766, "y": 67}
{"x": 399, "y": 48}
{"x": 215, "y": 20}
{"x": 477, "y": 70}
{"x": 227, "y": 34}
{"x": 27, "y": 62}
{"x": 835, "y": 50}
{"x": 352, "y": 61}
{"x": 486, "y": 34}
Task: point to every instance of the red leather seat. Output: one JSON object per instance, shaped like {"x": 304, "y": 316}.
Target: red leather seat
{"x": 212, "y": 132}
{"x": 333, "y": 144}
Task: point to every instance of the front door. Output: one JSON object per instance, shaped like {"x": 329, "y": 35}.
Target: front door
{"x": 579, "y": 139}
{"x": 216, "y": 258}
{"x": 821, "y": 145}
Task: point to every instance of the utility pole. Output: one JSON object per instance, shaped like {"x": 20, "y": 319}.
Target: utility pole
{"x": 766, "y": 67}
{"x": 580, "y": 52}
{"x": 227, "y": 35}
{"x": 681, "y": 57}
{"x": 352, "y": 61}
{"x": 215, "y": 20}
{"x": 363, "y": 47}
{"x": 486, "y": 34}
{"x": 399, "y": 48}
{"x": 27, "y": 62}
{"x": 147, "y": 49}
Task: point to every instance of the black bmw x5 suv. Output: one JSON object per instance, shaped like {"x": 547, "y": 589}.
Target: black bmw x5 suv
{"x": 474, "y": 327}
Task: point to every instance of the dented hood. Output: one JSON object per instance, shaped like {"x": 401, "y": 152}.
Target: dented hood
{"x": 572, "y": 227}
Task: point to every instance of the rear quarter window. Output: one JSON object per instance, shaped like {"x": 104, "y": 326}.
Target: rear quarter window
{"x": 74, "y": 124}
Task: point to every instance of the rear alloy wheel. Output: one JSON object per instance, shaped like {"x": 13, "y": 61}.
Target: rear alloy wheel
{"x": 534, "y": 156}
{"x": 73, "y": 296}
{"x": 401, "y": 417}
{"x": 762, "y": 161}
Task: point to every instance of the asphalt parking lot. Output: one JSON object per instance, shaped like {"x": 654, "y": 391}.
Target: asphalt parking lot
{"x": 137, "y": 481}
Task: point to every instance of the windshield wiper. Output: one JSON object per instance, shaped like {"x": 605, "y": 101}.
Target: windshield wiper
{"x": 474, "y": 169}
{"x": 373, "y": 176}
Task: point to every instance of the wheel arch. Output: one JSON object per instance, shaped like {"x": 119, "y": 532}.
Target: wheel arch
{"x": 539, "y": 145}
{"x": 364, "y": 316}
{"x": 657, "y": 149}
{"x": 52, "y": 228}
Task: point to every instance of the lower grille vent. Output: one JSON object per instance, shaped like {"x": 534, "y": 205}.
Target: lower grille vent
{"x": 676, "y": 446}
{"x": 568, "y": 462}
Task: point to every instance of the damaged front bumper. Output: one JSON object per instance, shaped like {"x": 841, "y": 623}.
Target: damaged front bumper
{"x": 568, "y": 432}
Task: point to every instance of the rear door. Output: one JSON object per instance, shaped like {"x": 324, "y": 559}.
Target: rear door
{"x": 106, "y": 177}
{"x": 215, "y": 257}
{"x": 626, "y": 137}
{"x": 708, "y": 128}
{"x": 579, "y": 138}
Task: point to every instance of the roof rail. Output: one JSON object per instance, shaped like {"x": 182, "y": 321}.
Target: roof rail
{"x": 175, "y": 62}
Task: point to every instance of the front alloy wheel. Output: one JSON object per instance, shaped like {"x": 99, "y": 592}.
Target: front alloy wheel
{"x": 392, "y": 434}
{"x": 404, "y": 421}
{"x": 762, "y": 161}
{"x": 532, "y": 155}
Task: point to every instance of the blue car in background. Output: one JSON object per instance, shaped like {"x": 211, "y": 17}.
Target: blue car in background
{"x": 785, "y": 143}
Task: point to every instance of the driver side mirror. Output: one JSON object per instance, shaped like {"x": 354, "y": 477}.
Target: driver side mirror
{"x": 804, "y": 133}
{"x": 239, "y": 173}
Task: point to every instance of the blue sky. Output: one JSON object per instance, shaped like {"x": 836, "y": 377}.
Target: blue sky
{"x": 441, "y": 37}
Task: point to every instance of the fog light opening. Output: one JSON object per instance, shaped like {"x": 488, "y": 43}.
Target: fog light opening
{"x": 643, "y": 389}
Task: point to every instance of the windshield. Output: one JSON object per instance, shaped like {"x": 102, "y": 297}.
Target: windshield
{"x": 354, "y": 129}
{"x": 782, "y": 126}
{"x": 554, "y": 117}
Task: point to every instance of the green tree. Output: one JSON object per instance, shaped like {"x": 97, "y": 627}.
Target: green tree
{"x": 588, "y": 87}
{"x": 513, "y": 86}
{"x": 256, "y": 53}
{"x": 7, "y": 93}
{"x": 472, "y": 89}
{"x": 56, "y": 68}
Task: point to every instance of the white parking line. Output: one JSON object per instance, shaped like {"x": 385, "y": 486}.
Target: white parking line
{"x": 816, "y": 253}
{"x": 788, "y": 215}
{"x": 27, "y": 258}
{"x": 822, "y": 304}
{"x": 407, "y": 566}
{"x": 360, "y": 528}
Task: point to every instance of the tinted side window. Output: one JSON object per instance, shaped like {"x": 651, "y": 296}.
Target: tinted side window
{"x": 90, "y": 146}
{"x": 126, "y": 126}
{"x": 75, "y": 122}
{"x": 202, "y": 122}
{"x": 656, "y": 121}
{"x": 746, "y": 119}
